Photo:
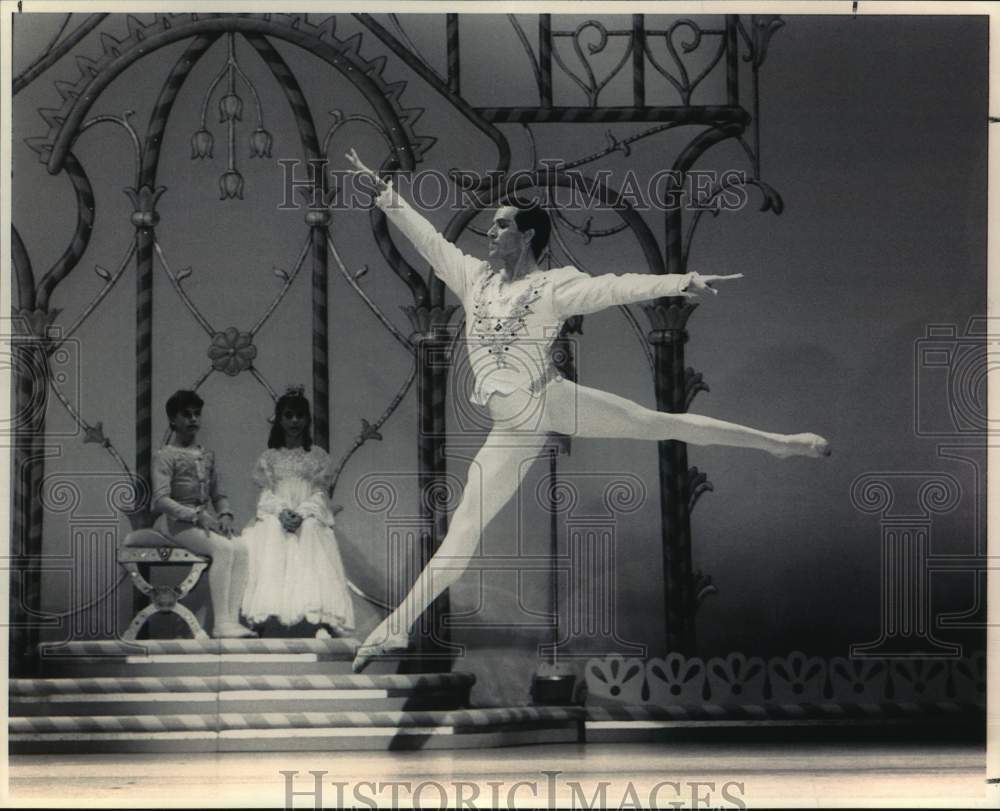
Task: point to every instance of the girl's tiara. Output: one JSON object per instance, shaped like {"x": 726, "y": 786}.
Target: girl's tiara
{"x": 296, "y": 389}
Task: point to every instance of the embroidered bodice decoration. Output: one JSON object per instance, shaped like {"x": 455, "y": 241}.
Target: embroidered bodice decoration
{"x": 498, "y": 321}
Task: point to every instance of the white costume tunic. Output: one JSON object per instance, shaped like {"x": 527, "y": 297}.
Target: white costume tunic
{"x": 298, "y": 575}
{"x": 510, "y": 326}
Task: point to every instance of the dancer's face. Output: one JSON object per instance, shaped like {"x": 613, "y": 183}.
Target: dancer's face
{"x": 186, "y": 423}
{"x": 293, "y": 423}
{"x": 506, "y": 242}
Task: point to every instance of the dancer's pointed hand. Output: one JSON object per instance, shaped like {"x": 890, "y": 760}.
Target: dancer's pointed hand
{"x": 360, "y": 168}
{"x": 699, "y": 282}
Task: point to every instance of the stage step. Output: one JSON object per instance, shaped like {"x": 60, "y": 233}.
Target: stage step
{"x": 235, "y": 732}
{"x": 205, "y": 657}
{"x": 241, "y": 695}
{"x": 341, "y": 647}
{"x": 238, "y": 694}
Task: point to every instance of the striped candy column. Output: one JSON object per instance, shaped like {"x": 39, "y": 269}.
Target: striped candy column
{"x": 732, "y": 61}
{"x": 81, "y": 235}
{"x": 32, "y": 577}
{"x": 144, "y": 219}
{"x": 24, "y": 380}
{"x": 545, "y": 59}
{"x": 669, "y": 334}
{"x": 668, "y": 318}
{"x": 321, "y": 365}
{"x": 454, "y": 76}
{"x": 639, "y": 61}
{"x": 431, "y": 340}
{"x": 144, "y": 238}
{"x": 668, "y": 338}
{"x": 30, "y": 517}
{"x": 318, "y": 219}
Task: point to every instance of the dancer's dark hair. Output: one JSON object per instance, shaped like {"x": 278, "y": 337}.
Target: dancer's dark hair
{"x": 293, "y": 400}
{"x": 181, "y": 399}
{"x": 532, "y": 215}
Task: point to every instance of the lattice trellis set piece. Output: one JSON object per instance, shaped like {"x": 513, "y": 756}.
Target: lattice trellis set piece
{"x": 649, "y": 50}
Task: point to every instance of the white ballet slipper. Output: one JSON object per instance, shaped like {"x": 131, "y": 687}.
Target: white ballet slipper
{"x": 378, "y": 644}
{"x": 812, "y": 445}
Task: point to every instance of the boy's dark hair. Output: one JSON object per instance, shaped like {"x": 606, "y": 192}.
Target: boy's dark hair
{"x": 181, "y": 399}
{"x": 290, "y": 401}
{"x": 532, "y": 215}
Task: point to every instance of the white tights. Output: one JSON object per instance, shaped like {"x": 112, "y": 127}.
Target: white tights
{"x": 227, "y": 576}
{"x": 520, "y": 424}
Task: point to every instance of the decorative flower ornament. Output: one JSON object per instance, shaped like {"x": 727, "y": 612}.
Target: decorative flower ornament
{"x": 232, "y": 351}
{"x": 144, "y": 199}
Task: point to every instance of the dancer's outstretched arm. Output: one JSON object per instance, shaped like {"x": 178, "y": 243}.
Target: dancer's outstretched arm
{"x": 449, "y": 263}
{"x": 577, "y": 293}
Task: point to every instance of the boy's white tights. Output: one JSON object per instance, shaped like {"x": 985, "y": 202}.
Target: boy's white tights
{"x": 227, "y": 576}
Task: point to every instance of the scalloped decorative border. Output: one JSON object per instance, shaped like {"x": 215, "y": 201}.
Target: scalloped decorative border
{"x": 676, "y": 682}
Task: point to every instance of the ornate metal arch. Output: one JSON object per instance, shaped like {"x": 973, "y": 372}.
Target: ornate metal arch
{"x": 643, "y": 53}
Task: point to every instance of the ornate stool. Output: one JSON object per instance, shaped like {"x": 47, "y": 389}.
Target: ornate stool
{"x": 148, "y": 547}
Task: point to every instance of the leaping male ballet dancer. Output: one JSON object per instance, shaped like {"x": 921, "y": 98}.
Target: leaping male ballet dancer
{"x": 513, "y": 312}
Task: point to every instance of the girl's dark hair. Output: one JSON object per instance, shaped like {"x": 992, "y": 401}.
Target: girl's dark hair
{"x": 291, "y": 401}
{"x": 182, "y": 399}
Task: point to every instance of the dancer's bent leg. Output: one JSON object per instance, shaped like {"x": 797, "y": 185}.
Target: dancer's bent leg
{"x": 225, "y": 581}
{"x": 494, "y": 476}
{"x": 586, "y": 412}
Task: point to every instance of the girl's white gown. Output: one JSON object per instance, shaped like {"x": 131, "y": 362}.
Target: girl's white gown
{"x": 295, "y": 576}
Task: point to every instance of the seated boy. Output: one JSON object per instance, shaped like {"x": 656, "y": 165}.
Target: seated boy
{"x": 194, "y": 512}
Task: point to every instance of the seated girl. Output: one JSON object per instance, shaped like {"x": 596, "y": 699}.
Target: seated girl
{"x": 194, "y": 512}
{"x": 296, "y": 573}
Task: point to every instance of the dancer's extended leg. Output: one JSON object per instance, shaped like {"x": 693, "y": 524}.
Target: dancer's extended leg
{"x": 586, "y": 412}
{"x": 494, "y": 477}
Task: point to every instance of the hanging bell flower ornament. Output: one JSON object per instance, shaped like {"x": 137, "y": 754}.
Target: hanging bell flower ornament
{"x": 230, "y": 107}
{"x": 202, "y": 143}
{"x": 260, "y": 144}
{"x": 231, "y": 185}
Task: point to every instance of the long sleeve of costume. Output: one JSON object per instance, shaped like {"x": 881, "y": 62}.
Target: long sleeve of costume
{"x": 450, "y": 265}
{"x": 578, "y": 293}
{"x": 269, "y": 502}
{"x": 160, "y": 500}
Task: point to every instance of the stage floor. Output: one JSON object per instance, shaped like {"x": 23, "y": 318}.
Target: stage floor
{"x": 697, "y": 774}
